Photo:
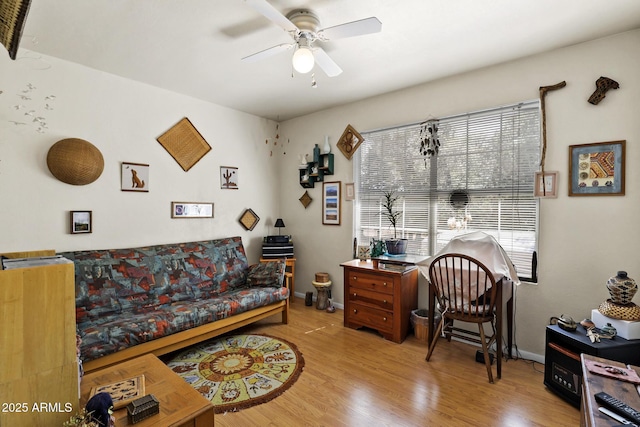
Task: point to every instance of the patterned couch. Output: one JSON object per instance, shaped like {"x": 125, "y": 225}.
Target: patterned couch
{"x": 161, "y": 298}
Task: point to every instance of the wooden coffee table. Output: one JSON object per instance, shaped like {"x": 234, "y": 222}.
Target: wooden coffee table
{"x": 180, "y": 404}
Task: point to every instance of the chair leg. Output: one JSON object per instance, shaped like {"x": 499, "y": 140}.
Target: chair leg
{"x": 485, "y": 350}
{"x": 499, "y": 351}
{"x": 436, "y": 335}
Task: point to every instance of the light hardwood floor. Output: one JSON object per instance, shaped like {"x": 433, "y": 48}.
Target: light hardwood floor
{"x": 356, "y": 378}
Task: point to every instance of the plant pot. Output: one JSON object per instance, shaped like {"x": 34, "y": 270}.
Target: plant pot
{"x": 396, "y": 246}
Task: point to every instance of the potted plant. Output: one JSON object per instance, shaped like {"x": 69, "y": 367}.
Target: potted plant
{"x": 394, "y": 246}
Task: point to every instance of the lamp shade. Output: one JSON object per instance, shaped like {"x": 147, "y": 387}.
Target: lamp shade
{"x": 303, "y": 60}
{"x": 279, "y": 223}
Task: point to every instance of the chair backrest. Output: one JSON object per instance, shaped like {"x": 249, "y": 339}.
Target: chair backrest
{"x": 465, "y": 287}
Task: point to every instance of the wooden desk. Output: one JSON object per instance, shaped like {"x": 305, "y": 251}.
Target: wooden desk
{"x": 592, "y": 384}
{"x": 180, "y": 404}
{"x": 509, "y": 305}
{"x": 290, "y": 275}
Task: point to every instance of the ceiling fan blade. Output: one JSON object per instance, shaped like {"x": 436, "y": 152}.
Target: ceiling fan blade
{"x": 263, "y": 7}
{"x": 351, "y": 29}
{"x": 325, "y": 62}
{"x": 268, "y": 52}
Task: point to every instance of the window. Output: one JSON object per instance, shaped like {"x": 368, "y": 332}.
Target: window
{"x": 487, "y": 158}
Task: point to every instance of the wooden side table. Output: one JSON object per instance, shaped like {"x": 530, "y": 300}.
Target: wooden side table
{"x": 180, "y": 404}
{"x": 592, "y": 384}
{"x": 380, "y": 299}
{"x": 290, "y": 274}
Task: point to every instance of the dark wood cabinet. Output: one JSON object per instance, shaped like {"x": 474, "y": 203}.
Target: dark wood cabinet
{"x": 562, "y": 369}
{"x": 379, "y": 299}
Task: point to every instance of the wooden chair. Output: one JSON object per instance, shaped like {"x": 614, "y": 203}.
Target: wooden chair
{"x": 466, "y": 291}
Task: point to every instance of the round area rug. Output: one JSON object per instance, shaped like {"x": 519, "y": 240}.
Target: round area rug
{"x": 239, "y": 371}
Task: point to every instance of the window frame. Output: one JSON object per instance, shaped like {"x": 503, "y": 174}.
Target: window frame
{"x": 522, "y": 187}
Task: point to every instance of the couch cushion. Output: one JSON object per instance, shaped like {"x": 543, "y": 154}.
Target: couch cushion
{"x": 267, "y": 274}
{"x": 115, "y": 332}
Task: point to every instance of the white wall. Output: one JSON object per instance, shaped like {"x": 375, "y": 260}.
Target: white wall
{"x": 583, "y": 240}
{"x": 123, "y": 118}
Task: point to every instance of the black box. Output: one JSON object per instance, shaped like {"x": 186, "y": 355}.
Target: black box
{"x": 277, "y": 250}
{"x": 142, "y": 408}
{"x": 480, "y": 357}
{"x": 277, "y": 239}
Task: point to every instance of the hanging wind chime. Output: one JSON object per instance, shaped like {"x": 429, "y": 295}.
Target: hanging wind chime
{"x": 429, "y": 142}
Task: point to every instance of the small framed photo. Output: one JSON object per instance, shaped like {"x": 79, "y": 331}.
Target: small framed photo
{"x": 81, "y": 222}
{"x": 191, "y": 210}
{"x": 228, "y": 178}
{"x": 331, "y": 203}
{"x": 134, "y": 177}
{"x": 349, "y": 191}
{"x": 546, "y": 185}
{"x": 364, "y": 252}
{"x": 597, "y": 169}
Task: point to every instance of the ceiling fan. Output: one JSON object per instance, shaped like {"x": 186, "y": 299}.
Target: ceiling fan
{"x": 302, "y": 25}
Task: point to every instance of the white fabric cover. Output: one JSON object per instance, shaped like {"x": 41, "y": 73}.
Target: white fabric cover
{"x": 481, "y": 246}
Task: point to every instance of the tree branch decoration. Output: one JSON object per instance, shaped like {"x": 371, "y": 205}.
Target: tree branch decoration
{"x": 543, "y": 94}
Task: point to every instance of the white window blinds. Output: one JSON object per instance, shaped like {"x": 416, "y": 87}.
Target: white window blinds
{"x": 490, "y": 155}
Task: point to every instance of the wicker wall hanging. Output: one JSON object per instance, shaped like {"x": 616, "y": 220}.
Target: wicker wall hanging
{"x": 75, "y": 161}
{"x": 349, "y": 141}
{"x": 305, "y": 199}
{"x": 249, "y": 219}
{"x": 13, "y": 15}
{"x": 185, "y": 144}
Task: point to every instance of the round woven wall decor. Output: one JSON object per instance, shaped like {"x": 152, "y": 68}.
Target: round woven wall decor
{"x": 75, "y": 161}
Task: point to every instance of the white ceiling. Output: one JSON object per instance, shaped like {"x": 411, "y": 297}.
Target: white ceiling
{"x": 194, "y": 47}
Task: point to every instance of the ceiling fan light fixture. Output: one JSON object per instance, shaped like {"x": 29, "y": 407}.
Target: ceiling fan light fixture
{"x": 303, "y": 61}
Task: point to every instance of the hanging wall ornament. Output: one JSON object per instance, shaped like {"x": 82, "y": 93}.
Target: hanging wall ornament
{"x": 429, "y": 140}
{"x": 305, "y": 199}
{"x": 603, "y": 84}
{"x": 75, "y": 161}
{"x": 349, "y": 141}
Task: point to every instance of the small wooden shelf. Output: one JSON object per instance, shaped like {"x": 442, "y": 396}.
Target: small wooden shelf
{"x": 316, "y": 170}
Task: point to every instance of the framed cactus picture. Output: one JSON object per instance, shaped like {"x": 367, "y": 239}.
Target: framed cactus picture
{"x": 228, "y": 178}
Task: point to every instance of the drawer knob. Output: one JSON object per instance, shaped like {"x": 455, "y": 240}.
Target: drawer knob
{"x": 384, "y": 301}
{"x": 355, "y": 278}
{"x": 384, "y": 318}
{"x": 355, "y": 311}
{"x": 355, "y": 294}
{"x": 384, "y": 284}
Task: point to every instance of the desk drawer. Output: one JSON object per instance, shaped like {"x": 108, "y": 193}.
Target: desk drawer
{"x": 371, "y": 317}
{"x": 371, "y": 298}
{"x": 378, "y": 283}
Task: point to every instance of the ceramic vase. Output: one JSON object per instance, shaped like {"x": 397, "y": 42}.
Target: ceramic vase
{"x": 327, "y": 146}
{"x": 622, "y": 288}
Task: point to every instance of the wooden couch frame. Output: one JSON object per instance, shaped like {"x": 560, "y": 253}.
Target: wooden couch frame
{"x": 188, "y": 337}
{"x": 181, "y": 339}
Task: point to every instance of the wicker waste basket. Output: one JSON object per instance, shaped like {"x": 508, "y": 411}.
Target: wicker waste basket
{"x": 420, "y": 323}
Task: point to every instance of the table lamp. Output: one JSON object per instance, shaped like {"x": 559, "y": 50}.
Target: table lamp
{"x": 279, "y": 224}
